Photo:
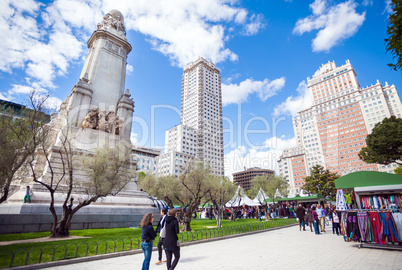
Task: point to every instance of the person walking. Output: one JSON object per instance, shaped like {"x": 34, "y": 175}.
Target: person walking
{"x": 309, "y": 218}
{"x": 171, "y": 242}
{"x": 315, "y": 220}
{"x": 161, "y": 229}
{"x": 28, "y": 195}
{"x": 300, "y": 213}
{"x": 336, "y": 226}
{"x": 321, "y": 217}
{"x": 148, "y": 236}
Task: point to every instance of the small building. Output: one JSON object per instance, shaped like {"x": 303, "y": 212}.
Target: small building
{"x": 244, "y": 178}
{"x": 146, "y": 158}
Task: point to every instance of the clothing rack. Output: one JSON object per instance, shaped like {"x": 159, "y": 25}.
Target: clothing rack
{"x": 371, "y": 244}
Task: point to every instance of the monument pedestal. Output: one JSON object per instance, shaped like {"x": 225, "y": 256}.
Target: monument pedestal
{"x": 97, "y": 113}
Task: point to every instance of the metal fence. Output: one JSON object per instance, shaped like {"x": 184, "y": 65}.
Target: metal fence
{"x": 36, "y": 255}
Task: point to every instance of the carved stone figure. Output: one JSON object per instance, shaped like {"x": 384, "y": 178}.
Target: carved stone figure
{"x": 111, "y": 119}
{"x": 112, "y": 19}
{"x": 103, "y": 124}
{"x": 119, "y": 126}
{"x": 91, "y": 120}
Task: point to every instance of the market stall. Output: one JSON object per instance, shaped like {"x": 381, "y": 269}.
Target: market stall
{"x": 371, "y": 203}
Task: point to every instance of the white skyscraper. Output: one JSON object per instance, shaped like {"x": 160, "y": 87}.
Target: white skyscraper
{"x": 200, "y": 134}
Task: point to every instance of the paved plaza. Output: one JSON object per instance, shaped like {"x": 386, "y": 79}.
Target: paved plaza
{"x": 286, "y": 248}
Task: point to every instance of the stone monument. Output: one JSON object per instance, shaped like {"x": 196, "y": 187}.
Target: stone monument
{"x": 97, "y": 112}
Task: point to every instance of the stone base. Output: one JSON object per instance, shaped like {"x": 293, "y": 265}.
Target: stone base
{"x": 34, "y": 217}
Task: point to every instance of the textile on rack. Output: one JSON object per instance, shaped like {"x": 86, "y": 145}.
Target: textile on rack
{"x": 389, "y": 228}
{"x": 363, "y": 224}
{"x": 398, "y": 223}
{"x": 340, "y": 201}
{"x": 387, "y": 201}
{"x": 352, "y": 227}
{"x": 377, "y": 227}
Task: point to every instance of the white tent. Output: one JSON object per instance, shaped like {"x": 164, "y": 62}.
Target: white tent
{"x": 261, "y": 196}
{"x": 278, "y": 194}
{"x": 291, "y": 194}
{"x": 303, "y": 193}
{"x": 240, "y": 199}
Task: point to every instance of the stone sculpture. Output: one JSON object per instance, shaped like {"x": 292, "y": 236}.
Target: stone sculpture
{"x": 112, "y": 19}
{"x": 100, "y": 120}
{"x": 103, "y": 124}
{"x": 91, "y": 120}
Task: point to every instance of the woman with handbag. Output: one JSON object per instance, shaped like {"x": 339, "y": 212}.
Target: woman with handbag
{"x": 148, "y": 236}
{"x": 171, "y": 242}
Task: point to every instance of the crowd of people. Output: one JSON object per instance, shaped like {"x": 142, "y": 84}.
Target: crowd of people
{"x": 314, "y": 216}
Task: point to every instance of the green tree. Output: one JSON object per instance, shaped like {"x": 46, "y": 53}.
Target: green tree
{"x": 321, "y": 181}
{"x": 268, "y": 184}
{"x": 398, "y": 170}
{"x": 222, "y": 191}
{"x": 192, "y": 187}
{"x": 274, "y": 183}
{"x": 394, "y": 31}
{"x": 384, "y": 143}
{"x": 141, "y": 175}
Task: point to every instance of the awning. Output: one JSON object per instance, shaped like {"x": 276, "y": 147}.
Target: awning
{"x": 367, "y": 179}
{"x": 317, "y": 197}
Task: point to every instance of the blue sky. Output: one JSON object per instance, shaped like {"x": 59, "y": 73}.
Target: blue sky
{"x": 265, "y": 50}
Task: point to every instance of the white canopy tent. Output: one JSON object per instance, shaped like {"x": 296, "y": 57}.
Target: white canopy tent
{"x": 278, "y": 194}
{"x": 303, "y": 193}
{"x": 261, "y": 196}
{"x": 291, "y": 194}
{"x": 240, "y": 199}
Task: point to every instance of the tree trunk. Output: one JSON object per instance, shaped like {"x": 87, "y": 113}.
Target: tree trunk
{"x": 219, "y": 218}
{"x": 232, "y": 215}
{"x": 5, "y": 194}
{"x": 63, "y": 226}
{"x": 186, "y": 220}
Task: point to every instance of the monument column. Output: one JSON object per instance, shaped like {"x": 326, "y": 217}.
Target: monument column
{"x": 102, "y": 80}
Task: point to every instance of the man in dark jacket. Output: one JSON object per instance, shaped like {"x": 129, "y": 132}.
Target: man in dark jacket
{"x": 300, "y": 213}
{"x": 161, "y": 229}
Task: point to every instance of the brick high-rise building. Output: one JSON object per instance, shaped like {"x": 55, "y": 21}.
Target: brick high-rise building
{"x": 333, "y": 130}
{"x": 200, "y": 133}
{"x": 244, "y": 178}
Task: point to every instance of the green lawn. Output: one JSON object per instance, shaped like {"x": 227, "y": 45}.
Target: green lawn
{"x": 101, "y": 241}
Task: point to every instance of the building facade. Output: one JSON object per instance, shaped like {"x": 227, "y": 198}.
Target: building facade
{"x": 334, "y": 129}
{"x": 146, "y": 158}
{"x": 244, "y": 178}
{"x": 200, "y": 134}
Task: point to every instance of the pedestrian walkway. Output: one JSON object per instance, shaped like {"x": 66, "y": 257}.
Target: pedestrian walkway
{"x": 286, "y": 248}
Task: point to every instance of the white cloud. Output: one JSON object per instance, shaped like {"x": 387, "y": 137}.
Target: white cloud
{"x": 388, "y": 7}
{"x": 44, "y": 40}
{"x": 367, "y": 2}
{"x": 238, "y": 93}
{"x": 134, "y": 138}
{"x": 240, "y": 157}
{"x": 292, "y": 104}
{"x": 129, "y": 69}
{"x": 4, "y": 97}
{"x": 335, "y": 23}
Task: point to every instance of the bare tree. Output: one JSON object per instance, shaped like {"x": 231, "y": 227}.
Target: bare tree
{"x": 20, "y": 133}
{"x": 106, "y": 172}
